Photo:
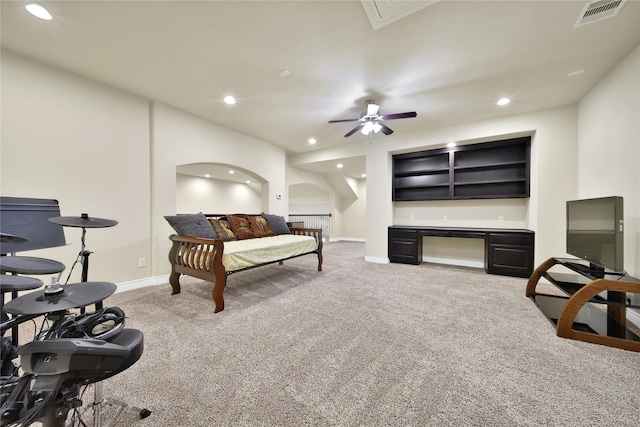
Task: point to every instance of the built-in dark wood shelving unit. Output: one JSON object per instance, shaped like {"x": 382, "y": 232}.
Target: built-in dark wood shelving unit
{"x": 499, "y": 169}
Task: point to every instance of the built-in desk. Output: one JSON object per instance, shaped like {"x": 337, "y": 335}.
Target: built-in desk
{"x": 508, "y": 252}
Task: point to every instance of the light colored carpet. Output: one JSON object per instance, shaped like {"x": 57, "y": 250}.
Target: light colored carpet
{"x": 363, "y": 344}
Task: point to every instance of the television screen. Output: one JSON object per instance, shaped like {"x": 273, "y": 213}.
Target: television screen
{"x": 595, "y": 231}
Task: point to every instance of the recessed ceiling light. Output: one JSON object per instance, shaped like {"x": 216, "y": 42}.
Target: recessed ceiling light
{"x": 575, "y": 73}
{"x": 503, "y": 101}
{"x": 339, "y": 165}
{"x": 248, "y": 182}
{"x": 206, "y": 175}
{"x": 232, "y": 172}
{"x": 39, "y": 11}
{"x": 364, "y": 175}
{"x": 229, "y": 100}
{"x": 451, "y": 144}
{"x": 312, "y": 141}
{"x": 284, "y": 73}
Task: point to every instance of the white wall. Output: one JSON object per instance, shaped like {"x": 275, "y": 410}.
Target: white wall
{"x": 609, "y": 148}
{"x": 308, "y": 198}
{"x": 553, "y": 181}
{"x": 113, "y": 155}
{"x": 310, "y": 206}
{"x": 215, "y": 196}
{"x": 353, "y": 214}
{"x": 179, "y": 138}
{"x": 86, "y": 144}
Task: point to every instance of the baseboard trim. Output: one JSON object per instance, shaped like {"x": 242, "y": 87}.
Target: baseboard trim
{"x": 456, "y": 262}
{"x": 142, "y": 283}
{"x": 376, "y": 259}
{"x": 347, "y": 239}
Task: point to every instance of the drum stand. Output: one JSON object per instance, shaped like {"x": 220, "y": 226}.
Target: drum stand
{"x": 84, "y": 222}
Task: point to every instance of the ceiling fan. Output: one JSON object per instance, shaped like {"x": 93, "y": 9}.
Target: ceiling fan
{"x": 371, "y": 121}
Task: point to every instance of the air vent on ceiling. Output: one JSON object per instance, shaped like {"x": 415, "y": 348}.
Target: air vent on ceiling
{"x": 385, "y": 12}
{"x": 598, "y": 10}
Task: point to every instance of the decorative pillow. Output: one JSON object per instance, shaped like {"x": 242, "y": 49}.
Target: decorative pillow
{"x": 196, "y": 225}
{"x": 223, "y": 229}
{"x": 277, "y": 223}
{"x": 260, "y": 227}
{"x": 241, "y": 226}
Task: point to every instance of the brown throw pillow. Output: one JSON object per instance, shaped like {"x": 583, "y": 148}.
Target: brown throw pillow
{"x": 260, "y": 227}
{"x": 241, "y": 226}
{"x": 223, "y": 229}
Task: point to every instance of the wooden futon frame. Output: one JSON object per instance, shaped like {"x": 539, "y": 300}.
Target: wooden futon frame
{"x": 202, "y": 258}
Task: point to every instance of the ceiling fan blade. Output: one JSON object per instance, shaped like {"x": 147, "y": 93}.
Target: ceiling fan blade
{"x": 345, "y": 120}
{"x": 354, "y": 130}
{"x": 385, "y": 129}
{"x": 399, "y": 116}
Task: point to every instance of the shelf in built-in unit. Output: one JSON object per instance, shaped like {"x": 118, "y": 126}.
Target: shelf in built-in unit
{"x": 498, "y": 169}
{"x": 493, "y": 166}
{"x": 497, "y": 181}
{"x": 423, "y": 172}
{"x": 409, "y": 187}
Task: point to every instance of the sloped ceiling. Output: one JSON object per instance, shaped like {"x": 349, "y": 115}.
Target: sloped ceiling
{"x": 449, "y": 62}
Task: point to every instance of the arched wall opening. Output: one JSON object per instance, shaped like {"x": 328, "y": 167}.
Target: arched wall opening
{"x": 218, "y": 188}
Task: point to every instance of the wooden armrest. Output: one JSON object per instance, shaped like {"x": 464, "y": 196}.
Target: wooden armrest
{"x": 313, "y": 232}
{"x": 195, "y": 252}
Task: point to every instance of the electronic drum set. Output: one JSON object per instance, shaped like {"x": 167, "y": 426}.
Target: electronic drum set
{"x": 76, "y": 350}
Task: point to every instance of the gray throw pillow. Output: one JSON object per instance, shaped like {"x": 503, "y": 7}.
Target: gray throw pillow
{"x": 196, "y": 225}
{"x": 277, "y": 223}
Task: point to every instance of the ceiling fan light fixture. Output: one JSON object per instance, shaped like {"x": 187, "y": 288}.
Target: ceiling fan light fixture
{"x": 371, "y": 120}
{"x": 39, "y": 11}
{"x": 367, "y": 128}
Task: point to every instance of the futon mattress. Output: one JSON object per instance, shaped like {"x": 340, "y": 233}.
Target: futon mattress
{"x": 239, "y": 254}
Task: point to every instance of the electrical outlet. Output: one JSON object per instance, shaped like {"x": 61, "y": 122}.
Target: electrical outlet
{"x": 444, "y": 218}
{"x": 142, "y": 262}
{"x": 500, "y": 218}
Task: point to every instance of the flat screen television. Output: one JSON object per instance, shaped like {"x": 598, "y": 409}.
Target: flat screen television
{"x": 595, "y": 231}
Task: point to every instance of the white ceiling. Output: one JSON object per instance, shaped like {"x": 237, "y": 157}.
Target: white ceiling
{"x": 449, "y": 62}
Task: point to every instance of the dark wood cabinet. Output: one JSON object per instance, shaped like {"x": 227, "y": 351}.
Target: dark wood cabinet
{"x": 510, "y": 254}
{"x": 507, "y": 252}
{"x": 405, "y": 246}
{"x": 499, "y": 169}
